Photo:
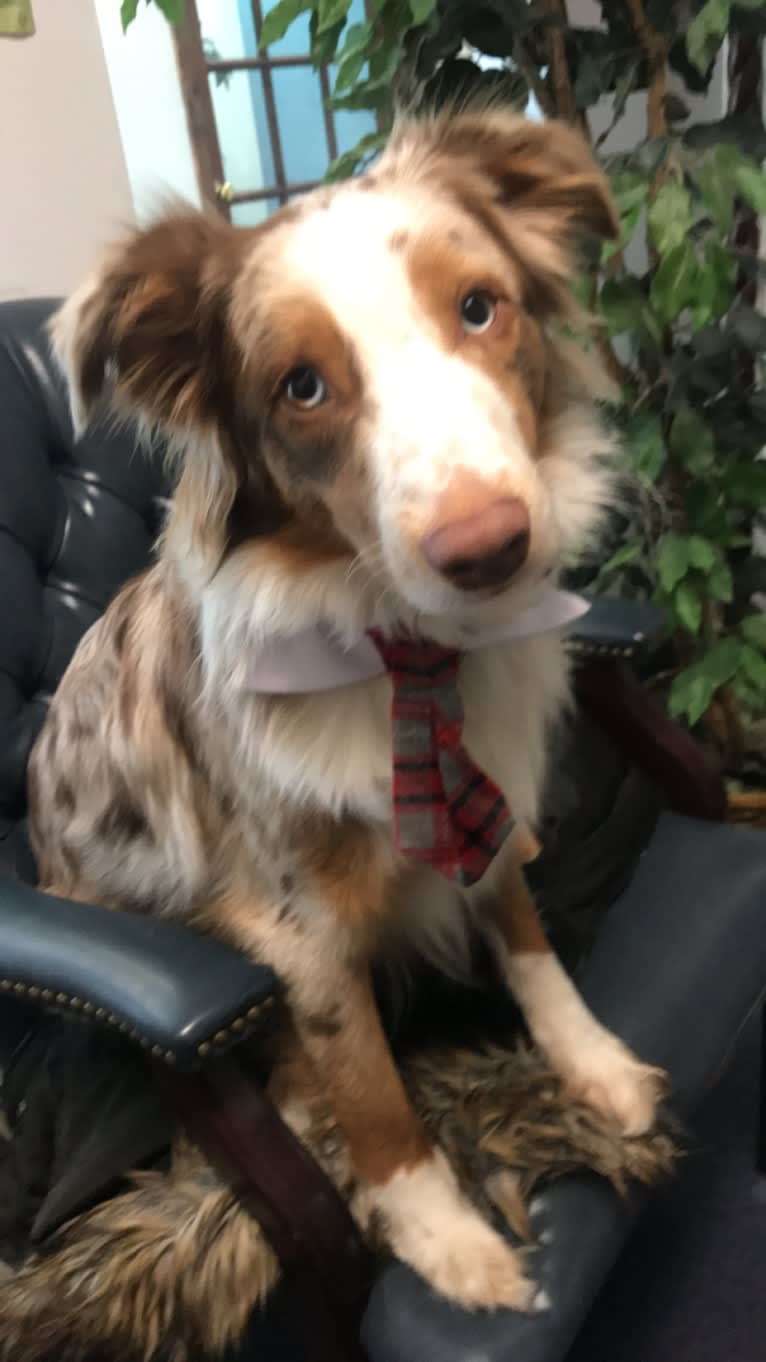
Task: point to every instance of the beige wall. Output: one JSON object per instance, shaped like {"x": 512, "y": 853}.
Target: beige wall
{"x": 63, "y": 184}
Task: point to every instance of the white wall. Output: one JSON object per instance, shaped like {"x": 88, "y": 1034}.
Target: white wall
{"x": 150, "y": 109}
{"x": 64, "y": 189}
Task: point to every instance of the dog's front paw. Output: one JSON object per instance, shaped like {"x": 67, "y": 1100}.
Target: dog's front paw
{"x": 608, "y": 1077}
{"x": 430, "y": 1225}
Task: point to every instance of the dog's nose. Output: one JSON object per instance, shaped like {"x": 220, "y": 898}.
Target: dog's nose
{"x": 484, "y": 549}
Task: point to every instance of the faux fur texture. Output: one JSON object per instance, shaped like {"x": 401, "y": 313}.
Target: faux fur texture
{"x": 174, "y": 1265}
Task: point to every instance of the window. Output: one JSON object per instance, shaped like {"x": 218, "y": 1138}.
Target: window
{"x": 261, "y": 125}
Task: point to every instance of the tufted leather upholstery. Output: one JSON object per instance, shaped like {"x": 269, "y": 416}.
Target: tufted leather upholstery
{"x": 77, "y": 517}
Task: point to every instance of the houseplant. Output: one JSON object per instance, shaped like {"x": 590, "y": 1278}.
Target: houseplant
{"x": 675, "y": 299}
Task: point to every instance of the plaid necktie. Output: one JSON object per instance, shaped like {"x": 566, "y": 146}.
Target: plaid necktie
{"x": 447, "y": 813}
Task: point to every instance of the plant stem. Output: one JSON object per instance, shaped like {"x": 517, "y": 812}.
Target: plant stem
{"x": 654, "y": 46}
{"x": 555, "y": 41}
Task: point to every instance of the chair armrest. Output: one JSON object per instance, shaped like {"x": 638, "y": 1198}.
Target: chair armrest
{"x": 617, "y": 628}
{"x": 179, "y": 994}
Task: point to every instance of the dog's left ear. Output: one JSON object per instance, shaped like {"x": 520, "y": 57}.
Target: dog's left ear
{"x": 535, "y": 185}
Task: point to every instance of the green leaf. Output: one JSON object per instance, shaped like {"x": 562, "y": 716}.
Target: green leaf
{"x": 629, "y": 190}
{"x": 688, "y": 606}
{"x": 706, "y": 32}
{"x": 690, "y": 695}
{"x": 627, "y": 554}
{"x": 624, "y": 85}
{"x": 716, "y": 284}
{"x": 670, "y": 216}
{"x": 622, "y": 304}
{"x": 370, "y": 95}
{"x": 128, "y": 11}
{"x": 353, "y": 55}
{"x": 358, "y": 38}
{"x": 673, "y": 287}
{"x": 702, "y": 504}
{"x": 751, "y": 184}
{"x": 344, "y": 166}
{"x": 279, "y": 19}
{"x": 330, "y": 12}
{"x": 721, "y": 662}
{"x": 672, "y": 561}
{"x": 422, "y": 10}
{"x": 384, "y": 64}
{"x": 628, "y": 225}
{"x": 323, "y": 45}
{"x": 753, "y": 628}
{"x": 714, "y": 183}
{"x": 746, "y": 485}
{"x": 720, "y": 583}
{"x": 691, "y": 441}
{"x": 172, "y": 9}
{"x": 646, "y": 446}
{"x": 589, "y": 80}
{"x": 753, "y": 664}
{"x": 702, "y": 554}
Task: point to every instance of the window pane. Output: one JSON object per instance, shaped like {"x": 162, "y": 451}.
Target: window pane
{"x": 246, "y": 156}
{"x": 252, "y": 214}
{"x": 227, "y": 28}
{"x": 298, "y": 96}
{"x": 296, "y": 41}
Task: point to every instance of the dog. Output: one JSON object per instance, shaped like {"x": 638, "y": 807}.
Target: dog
{"x": 383, "y": 440}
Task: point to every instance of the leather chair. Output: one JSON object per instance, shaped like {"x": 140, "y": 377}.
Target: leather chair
{"x": 676, "y": 968}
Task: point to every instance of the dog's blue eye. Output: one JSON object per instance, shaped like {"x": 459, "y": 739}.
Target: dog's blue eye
{"x": 305, "y": 387}
{"x": 477, "y": 311}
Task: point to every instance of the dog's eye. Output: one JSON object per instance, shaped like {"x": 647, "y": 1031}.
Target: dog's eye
{"x": 477, "y": 311}
{"x": 305, "y": 387}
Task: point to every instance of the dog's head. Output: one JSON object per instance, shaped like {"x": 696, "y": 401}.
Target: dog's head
{"x": 372, "y": 373}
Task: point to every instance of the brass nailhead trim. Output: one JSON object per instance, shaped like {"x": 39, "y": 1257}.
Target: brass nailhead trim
{"x": 236, "y": 1028}
{"x": 601, "y": 649}
{"x": 47, "y": 995}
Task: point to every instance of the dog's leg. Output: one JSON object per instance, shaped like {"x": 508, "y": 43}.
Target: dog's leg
{"x": 402, "y": 1178}
{"x": 595, "y": 1066}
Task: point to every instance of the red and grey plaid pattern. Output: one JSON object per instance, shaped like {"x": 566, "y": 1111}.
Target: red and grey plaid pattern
{"x": 447, "y": 813}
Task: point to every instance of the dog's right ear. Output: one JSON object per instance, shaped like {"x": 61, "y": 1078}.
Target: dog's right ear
{"x": 149, "y": 334}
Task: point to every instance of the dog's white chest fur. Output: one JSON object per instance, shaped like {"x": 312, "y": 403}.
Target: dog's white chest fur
{"x": 333, "y": 749}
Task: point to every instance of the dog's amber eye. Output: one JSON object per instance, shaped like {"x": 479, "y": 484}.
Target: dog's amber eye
{"x": 477, "y": 311}
{"x": 305, "y": 387}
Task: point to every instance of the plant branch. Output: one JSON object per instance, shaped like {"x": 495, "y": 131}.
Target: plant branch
{"x": 555, "y": 41}
{"x": 655, "y": 49}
